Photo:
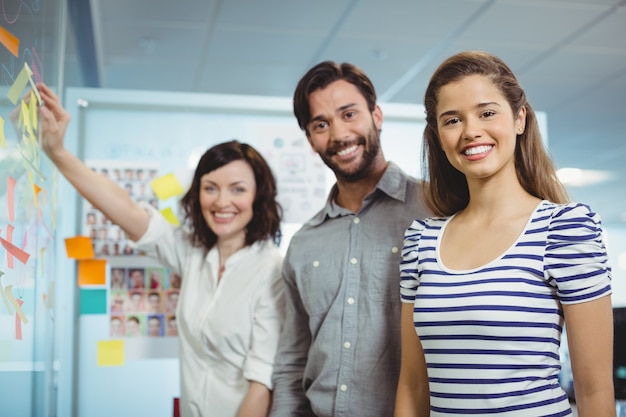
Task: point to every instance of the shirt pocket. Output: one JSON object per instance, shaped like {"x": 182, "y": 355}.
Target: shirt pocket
{"x": 383, "y": 274}
{"x": 320, "y": 284}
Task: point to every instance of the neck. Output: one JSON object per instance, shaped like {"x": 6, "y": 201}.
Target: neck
{"x": 228, "y": 246}
{"x": 350, "y": 195}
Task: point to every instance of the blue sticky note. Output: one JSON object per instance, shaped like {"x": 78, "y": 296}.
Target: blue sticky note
{"x": 93, "y": 301}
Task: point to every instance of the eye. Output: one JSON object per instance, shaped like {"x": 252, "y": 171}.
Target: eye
{"x": 451, "y": 121}
{"x": 488, "y": 113}
{"x": 349, "y": 114}
{"x": 239, "y": 190}
{"x": 319, "y": 126}
{"x": 209, "y": 188}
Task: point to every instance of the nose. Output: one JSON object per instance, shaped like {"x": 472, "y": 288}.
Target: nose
{"x": 339, "y": 132}
{"x": 222, "y": 199}
{"x": 471, "y": 128}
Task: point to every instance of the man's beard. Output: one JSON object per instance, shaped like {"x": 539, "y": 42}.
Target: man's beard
{"x": 371, "y": 147}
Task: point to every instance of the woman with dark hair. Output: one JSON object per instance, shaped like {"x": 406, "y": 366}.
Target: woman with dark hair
{"x": 489, "y": 284}
{"x": 231, "y": 297}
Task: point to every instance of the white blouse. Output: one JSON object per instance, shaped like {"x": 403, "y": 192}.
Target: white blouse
{"x": 228, "y": 329}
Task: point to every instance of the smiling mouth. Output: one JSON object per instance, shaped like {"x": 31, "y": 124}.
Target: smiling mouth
{"x": 476, "y": 150}
{"x": 224, "y": 215}
{"x": 347, "y": 150}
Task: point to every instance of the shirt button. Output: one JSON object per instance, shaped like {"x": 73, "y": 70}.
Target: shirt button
{"x": 353, "y": 261}
{"x": 347, "y": 345}
{"x": 350, "y": 300}
{"x": 343, "y": 387}
{"x": 356, "y": 220}
{"x": 316, "y": 263}
{"x": 394, "y": 249}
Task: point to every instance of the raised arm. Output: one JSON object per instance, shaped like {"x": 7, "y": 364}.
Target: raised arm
{"x": 103, "y": 193}
{"x": 413, "y": 396}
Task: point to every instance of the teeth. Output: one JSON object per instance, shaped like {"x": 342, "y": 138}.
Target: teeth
{"x": 476, "y": 150}
{"x": 347, "y": 150}
{"x": 224, "y": 215}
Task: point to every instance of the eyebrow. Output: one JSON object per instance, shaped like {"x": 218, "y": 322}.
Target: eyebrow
{"x": 339, "y": 110}
{"x": 478, "y": 106}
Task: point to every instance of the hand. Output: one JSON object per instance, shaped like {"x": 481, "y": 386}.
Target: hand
{"x": 55, "y": 120}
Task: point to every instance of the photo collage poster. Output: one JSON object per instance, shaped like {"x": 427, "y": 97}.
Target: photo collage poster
{"x": 142, "y": 295}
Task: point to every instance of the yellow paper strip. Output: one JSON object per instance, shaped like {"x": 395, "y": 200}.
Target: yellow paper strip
{"x": 16, "y": 306}
{"x": 3, "y": 142}
{"x": 18, "y": 85}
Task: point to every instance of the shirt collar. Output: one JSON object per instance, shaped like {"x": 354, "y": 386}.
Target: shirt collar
{"x": 392, "y": 183}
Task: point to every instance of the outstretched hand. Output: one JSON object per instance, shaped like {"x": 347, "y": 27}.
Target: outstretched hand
{"x": 55, "y": 120}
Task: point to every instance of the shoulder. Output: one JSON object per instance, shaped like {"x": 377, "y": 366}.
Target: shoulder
{"x": 572, "y": 219}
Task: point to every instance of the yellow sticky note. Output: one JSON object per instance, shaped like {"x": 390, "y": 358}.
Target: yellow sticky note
{"x": 110, "y": 353}
{"x": 18, "y": 85}
{"x": 3, "y": 141}
{"x": 79, "y": 247}
{"x": 166, "y": 186}
{"x": 32, "y": 109}
{"x": 169, "y": 215}
{"x": 92, "y": 272}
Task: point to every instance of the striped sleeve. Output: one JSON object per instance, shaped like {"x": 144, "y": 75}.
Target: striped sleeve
{"x": 576, "y": 259}
{"x": 409, "y": 275}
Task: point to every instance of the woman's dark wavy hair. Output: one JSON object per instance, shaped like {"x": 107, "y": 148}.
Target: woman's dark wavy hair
{"x": 320, "y": 76}
{"x": 446, "y": 187}
{"x": 267, "y": 212}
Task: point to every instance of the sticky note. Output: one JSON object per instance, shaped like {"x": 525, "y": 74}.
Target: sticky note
{"x": 11, "y": 42}
{"x": 10, "y": 198}
{"x": 166, "y": 187}
{"x": 3, "y": 141}
{"x": 79, "y": 247}
{"x": 14, "y": 251}
{"x": 17, "y": 304}
{"x": 18, "y": 323}
{"x": 110, "y": 353}
{"x": 169, "y": 215}
{"x": 32, "y": 109}
{"x": 4, "y": 297}
{"x": 93, "y": 301}
{"x": 92, "y": 272}
{"x": 18, "y": 85}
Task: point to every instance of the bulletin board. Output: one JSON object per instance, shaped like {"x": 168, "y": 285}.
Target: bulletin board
{"x": 30, "y": 51}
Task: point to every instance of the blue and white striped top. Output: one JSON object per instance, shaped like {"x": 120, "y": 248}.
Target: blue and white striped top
{"x": 491, "y": 335}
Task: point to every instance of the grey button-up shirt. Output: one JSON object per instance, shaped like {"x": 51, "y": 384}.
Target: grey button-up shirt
{"x": 339, "y": 352}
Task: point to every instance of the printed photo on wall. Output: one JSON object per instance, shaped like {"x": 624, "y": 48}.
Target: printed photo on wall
{"x": 134, "y": 177}
{"x": 143, "y": 301}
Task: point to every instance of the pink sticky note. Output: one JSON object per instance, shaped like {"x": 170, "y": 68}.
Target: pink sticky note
{"x": 10, "y": 190}
{"x": 18, "y": 322}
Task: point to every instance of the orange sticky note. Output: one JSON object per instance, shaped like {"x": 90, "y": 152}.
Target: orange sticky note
{"x": 110, "y": 353}
{"x": 12, "y": 43}
{"x": 92, "y": 272}
{"x": 166, "y": 187}
{"x": 13, "y": 250}
{"x": 169, "y": 215}
{"x": 79, "y": 247}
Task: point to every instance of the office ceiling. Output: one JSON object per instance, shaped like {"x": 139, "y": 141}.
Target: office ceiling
{"x": 570, "y": 56}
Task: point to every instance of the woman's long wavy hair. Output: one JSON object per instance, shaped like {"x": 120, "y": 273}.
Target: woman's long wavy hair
{"x": 446, "y": 188}
{"x": 267, "y": 212}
